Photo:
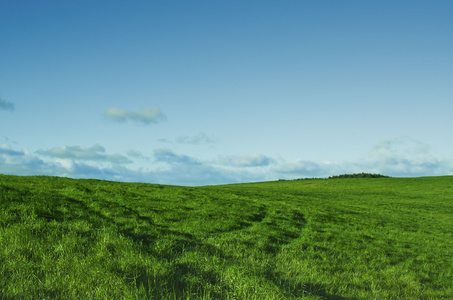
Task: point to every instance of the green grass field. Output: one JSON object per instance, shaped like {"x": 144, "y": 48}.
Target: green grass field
{"x": 365, "y": 238}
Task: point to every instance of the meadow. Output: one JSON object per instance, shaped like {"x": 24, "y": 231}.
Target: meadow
{"x": 341, "y": 238}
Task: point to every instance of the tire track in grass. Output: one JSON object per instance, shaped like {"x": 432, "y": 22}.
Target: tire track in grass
{"x": 164, "y": 244}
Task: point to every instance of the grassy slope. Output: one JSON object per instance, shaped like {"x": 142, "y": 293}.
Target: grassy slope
{"x": 383, "y": 238}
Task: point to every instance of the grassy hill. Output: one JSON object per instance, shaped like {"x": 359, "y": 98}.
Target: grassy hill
{"x": 358, "y": 238}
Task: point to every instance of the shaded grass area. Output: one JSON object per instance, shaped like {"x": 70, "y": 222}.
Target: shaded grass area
{"x": 373, "y": 238}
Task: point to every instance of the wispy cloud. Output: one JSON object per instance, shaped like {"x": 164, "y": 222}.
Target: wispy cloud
{"x": 399, "y": 157}
{"x": 198, "y": 139}
{"x": 6, "y": 105}
{"x": 305, "y": 168}
{"x": 146, "y": 116}
{"x": 186, "y": 170}
{"x": 8, "y": 140}
{"x": 404, "y": 156}
{"x": 246, "y": 160}
{"x": 137, "y": 154}
{"x": 169, "y": 157}
{"x": 93, "y": 153}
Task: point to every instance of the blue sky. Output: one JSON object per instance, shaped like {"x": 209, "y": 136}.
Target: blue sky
{"x": 211, "y": 92}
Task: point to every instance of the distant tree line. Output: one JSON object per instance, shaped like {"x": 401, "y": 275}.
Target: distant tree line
{"x": 307, "y": 178}
{"x": 359, "y": 175}
{"x": 355, "y": 175}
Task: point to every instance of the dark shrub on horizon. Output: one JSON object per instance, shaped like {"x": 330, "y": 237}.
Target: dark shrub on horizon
{"x": 359, "y": 175}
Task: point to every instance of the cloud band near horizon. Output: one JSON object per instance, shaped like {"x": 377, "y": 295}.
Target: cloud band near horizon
{"x": 400, "y": 157}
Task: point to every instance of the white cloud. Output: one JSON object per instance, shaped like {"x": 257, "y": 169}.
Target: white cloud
{"x": 22, "y": 162}
{"x": 146, "y": 116}
{"x": 246, "y": 160}
{"x": 6, "y": 105}
{"x": 75, "y": 162}
{"x": 393, "y": 157}
{"x": 94, "y": 153}
{"x": 186, "y": 170}
{"x": 404, "y": 156}
{"x": 307, "y": 169}
{"x": 400, "y": 147}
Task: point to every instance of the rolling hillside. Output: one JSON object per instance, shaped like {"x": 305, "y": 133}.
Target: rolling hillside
{"x": 360, "y": 238}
